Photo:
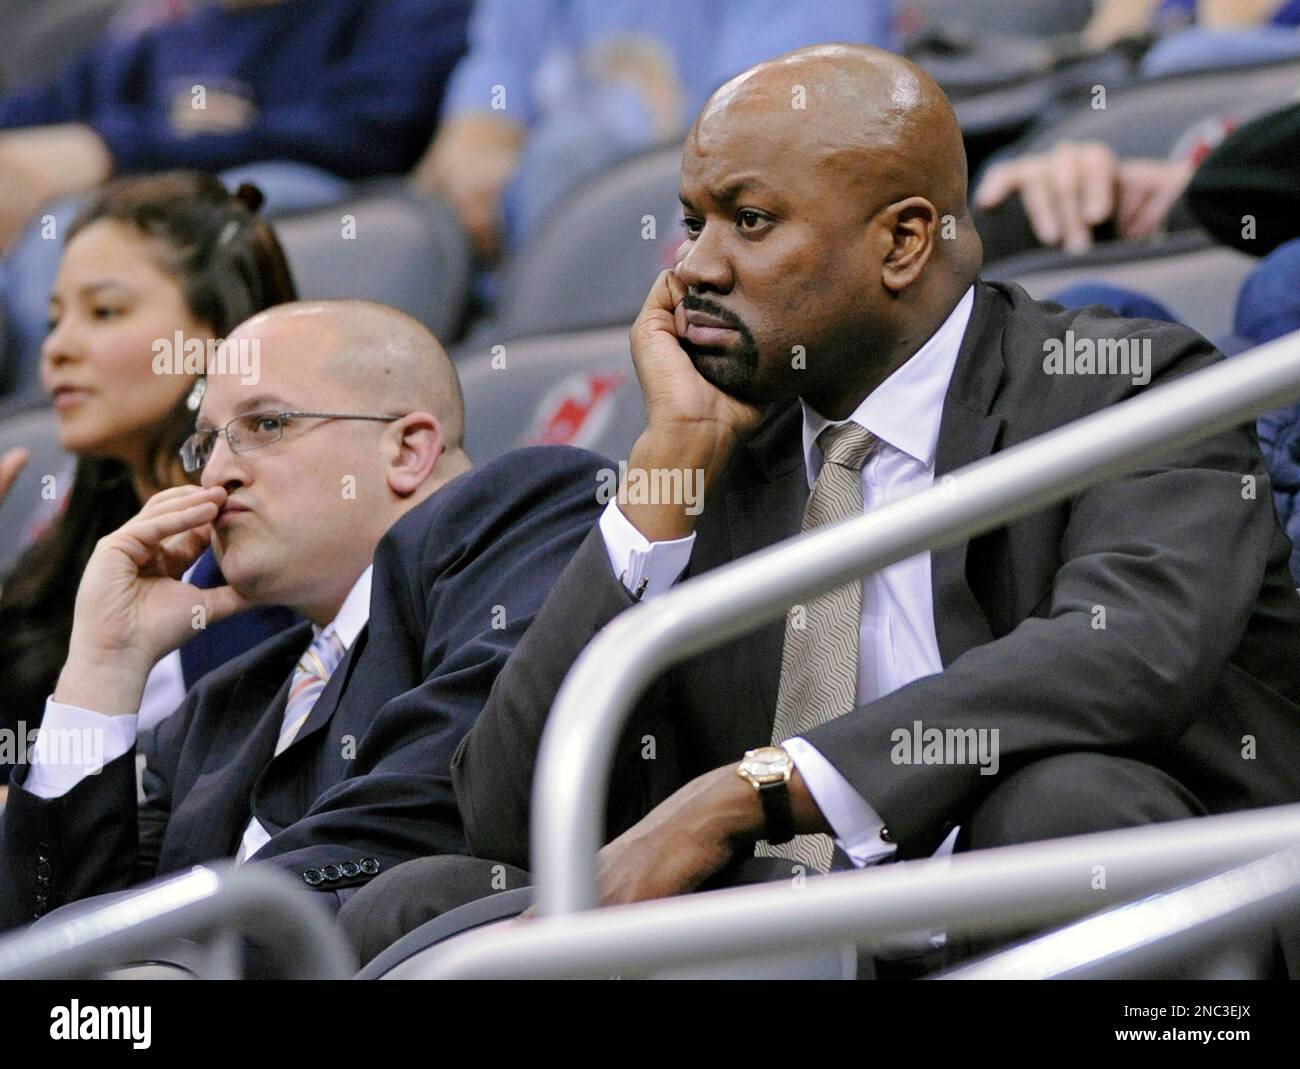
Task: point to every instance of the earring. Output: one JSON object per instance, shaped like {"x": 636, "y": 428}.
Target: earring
{"x": 196, "y": 395}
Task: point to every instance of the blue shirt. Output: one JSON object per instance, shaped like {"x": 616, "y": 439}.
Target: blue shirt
{"x": 352, "y": 86}
{"x": 533, "y": 49}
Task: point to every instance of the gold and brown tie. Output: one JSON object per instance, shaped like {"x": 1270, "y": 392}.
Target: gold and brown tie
{"x": 819, "y": 661}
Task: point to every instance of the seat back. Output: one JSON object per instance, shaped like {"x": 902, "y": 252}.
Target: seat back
{"x": 1153, "y": 117}
{"x": 571, "y": 389}
{"x": 1192, "y": 277}
{"x": 390, "y": 244}
{"x": 593, "y": 261}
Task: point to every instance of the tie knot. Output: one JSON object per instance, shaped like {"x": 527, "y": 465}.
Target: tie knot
{"x": 323, "y": 655}
{"x": 847, "y": 445}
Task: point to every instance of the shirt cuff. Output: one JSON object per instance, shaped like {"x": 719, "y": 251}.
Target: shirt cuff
{"x": 856, "y": 825}
{"x": 646, "y": 568}
{"x": 74, "y": 743}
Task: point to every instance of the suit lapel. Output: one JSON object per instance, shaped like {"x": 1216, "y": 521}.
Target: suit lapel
{"x": 968, "y": 432}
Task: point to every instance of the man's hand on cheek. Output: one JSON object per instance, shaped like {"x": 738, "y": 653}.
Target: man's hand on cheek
{"x": 132, "y": 607}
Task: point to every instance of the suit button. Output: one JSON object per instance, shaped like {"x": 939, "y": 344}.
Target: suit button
{"x": 330, "y": 872}
{"x": 42, "y": 869}
{"x": 313, "y": 877}
{"x": 369, "y": 866}
{"x": 349, "y": 869}
{"x": 885, "y": 837}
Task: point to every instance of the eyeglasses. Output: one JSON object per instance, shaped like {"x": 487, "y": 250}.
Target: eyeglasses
{"x": 252, "y": 431}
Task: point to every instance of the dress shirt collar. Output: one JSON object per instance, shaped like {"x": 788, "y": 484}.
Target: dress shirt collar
{"x": 905, "y": 410}
{"x": 354, "y": 613}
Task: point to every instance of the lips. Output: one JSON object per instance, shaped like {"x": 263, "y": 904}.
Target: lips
{"x": 229, "y": 510}
{"x": 706, "y": 331}
{"x": 66, "y": 397}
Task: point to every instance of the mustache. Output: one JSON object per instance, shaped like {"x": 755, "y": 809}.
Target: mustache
{"x": 693, "y": 303}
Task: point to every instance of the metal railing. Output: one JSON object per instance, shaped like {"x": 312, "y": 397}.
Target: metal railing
{"x": 1204, "y": 920}
{"x": 1007, "y": 890}
{"x": 213, "y": 905}
{"x": 607, "y": 679}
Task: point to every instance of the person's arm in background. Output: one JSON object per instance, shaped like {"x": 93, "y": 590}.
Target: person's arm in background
{"x": 11, "y": 465}
{"x": 1247, "y": 191}
{"x": 1113, "y": 20}
{"x": 368, "y": 113}
{"x": 1230, "y": 14}
{"x": 486, "y": 114}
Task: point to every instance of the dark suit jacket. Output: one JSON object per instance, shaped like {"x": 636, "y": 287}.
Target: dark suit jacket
{"x": 220, "y": 642}
{"x": 1201, "y": 645}
{"x": 366, "y": 784}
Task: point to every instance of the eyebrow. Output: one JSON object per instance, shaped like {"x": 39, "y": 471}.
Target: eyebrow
{"x": 90, "y": 289}
{"x": 256, "y": 403}
{"x": 733, "y": 189}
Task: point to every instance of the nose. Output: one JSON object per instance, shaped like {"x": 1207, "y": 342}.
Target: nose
{"x": 62, "y": 345}
{"x": 703, "y": 264}
{"x": 224, "y": 468}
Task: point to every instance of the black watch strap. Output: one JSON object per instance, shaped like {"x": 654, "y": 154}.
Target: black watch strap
{"x": 777, "y": 814}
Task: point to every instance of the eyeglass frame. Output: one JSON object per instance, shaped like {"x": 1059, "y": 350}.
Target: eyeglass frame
{"x": 283, "y": 417}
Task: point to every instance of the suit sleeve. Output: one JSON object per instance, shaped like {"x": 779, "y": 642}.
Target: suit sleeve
{"x": 399, "y": 801}
{"x": 94, "y": 839}
{"x": 493, "y": 769}
{"x": 1158, "y": 574}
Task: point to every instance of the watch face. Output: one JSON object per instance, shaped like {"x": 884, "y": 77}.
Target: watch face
{"x": 767, "y": 764}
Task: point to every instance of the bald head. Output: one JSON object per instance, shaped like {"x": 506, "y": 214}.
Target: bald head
{"x": 384, "y": 359}
{"x": 876, "y": 120}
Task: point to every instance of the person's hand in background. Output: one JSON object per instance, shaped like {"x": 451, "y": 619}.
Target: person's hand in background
{"x": 1081, "y": 185}
{"x": 470, "y": 163}
{"x": 11, "y": 464}
{"x": 40, "y": 164}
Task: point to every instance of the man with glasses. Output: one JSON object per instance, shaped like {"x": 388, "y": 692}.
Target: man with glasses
{"x": 336, "y": 485}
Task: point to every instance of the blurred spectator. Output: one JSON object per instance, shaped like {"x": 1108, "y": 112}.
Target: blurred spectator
{"x": 149, "y": 257}
{"x": 338, "y": 88}
{"x": 1199, "y": 34}
{"x": 556, "y": 91}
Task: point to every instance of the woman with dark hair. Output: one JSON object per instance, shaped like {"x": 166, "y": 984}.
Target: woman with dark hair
{"x": 147, "y": 261}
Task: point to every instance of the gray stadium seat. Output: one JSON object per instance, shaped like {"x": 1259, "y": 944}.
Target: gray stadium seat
{"x": 1028, "y": 18}
{"x": 41, "y": 36}
{"x": 1194, "y": 278}
{"x": 408, "y": 251}
{"x": 1149, "y": 119}
{"x": 574, "y": 389}
{"x": 39, "y": 432}
{"x": 590, "y": 265}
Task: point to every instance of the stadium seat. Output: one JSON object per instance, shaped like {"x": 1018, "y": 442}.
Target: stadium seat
{"x": 592, "y": 263}
{"x": 40, "y": 38}
{"x": 388, "y": 244}
{"x": 39, "y": 432}
{"x": 1028, "y": 18}
{"x": 572, "y": 389}
{"x": 1152, "y": 118}
{"x": 1196, "y": 279}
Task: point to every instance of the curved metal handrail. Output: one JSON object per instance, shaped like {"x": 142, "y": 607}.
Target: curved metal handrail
{"x": 599, "y": 692}
{"x": 1004, "y": 890}
{"x": 251, "y": 900}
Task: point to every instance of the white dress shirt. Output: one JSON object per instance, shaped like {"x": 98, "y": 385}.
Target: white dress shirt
{"x": 898, "y": 641}
{"x": 49, "y": 779}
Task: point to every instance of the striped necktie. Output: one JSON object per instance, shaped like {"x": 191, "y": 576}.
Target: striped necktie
{"x": 819, "y": 660}
{"x": 309, "y": 679}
